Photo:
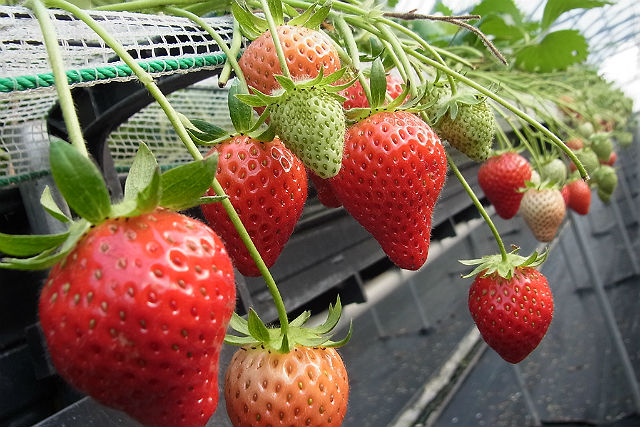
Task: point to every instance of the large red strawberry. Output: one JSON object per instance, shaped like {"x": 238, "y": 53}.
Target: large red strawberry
{"x": 306, "y": 51}
{"x": 543, "y": 209}
{"x": 136, "y": 313}
{"x": 579, "y": 196}
{"x": 267, "y": 186}
{"x": 356, "y": 97}
{"x": 307, "y": 386}
{"x": 512, "y": 314}
{"x": 325, "y": 192}
{"x": 393, "y": 170}
{"x": 501, "y": 178}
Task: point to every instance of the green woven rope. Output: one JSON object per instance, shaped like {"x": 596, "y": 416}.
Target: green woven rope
{"x": 22, "y": 83}
{"x": 17, "y": 179}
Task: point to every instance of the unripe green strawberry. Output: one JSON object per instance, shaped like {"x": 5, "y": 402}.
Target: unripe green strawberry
{"x": 602, "y": 145}
{"x": 606, "y": 179}
{"x": 554, "y": 171}
{"x": 588, "y": 158}
{"x": 586, "y": 129}
{"x": 472, "y": 130}
{"x": 311, "y": 124}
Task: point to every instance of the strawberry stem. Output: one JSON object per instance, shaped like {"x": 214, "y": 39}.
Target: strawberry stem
{"x": 274, "y": 35}
{"x": 354, "y": 54}
{"x": 231, "y": 57}
{"x": 173, "y": 117}
{"x": 481, "y": 209}
{"x": 62, "y": 85}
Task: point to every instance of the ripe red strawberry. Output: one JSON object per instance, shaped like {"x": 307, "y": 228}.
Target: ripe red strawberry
{"x": 135, "y": 316}
{"x": 501, "y": 177}
{"x": 566, "y": 194}
{"x": 575, "y": 144}
{"x": 513, "y": 314}
{"x": 613, "y": 157}
{"x": 579, "y": 196}
{"x": 307, "y": 386}
{"x": 267, "y": 186}
{"x": 326, "y": 195}
{"x": 543, "y": 210}
{"x": 357, "y": 99}
{"x": 306, "y": 51}
{"x": 393, "y": 170}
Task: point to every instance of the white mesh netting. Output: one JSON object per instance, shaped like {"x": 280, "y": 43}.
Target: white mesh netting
{"x": 165, "y": 44}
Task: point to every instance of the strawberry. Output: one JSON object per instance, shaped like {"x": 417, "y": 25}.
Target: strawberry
{"x": 579, "y": 196}
{"x": 501, "y": 177}
{"x": 267, "y": 186}
{"x": 311, "y": 123}
{"x": 514, "y": 313}
{"x": 543, "y": 210}
{"x": 356, "y": 97}
{"x": 566, "y": 194}
{"x": 575, "y": 144}
{"x": 602, "y": 145}
{"x": 613, "y": 157}
{"x": 588, "y": 158}
{"x": 135, "y": 316}
{"x": 306, "y": 52}
{"x": 306, "y": 386}
{"x": 553, "y": 170}
{"x": 392, "y": 173}
{"x": 606, "y": 180}
{"x": 325, "y": 193}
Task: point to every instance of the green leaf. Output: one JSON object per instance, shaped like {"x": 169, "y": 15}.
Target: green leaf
{"x": 442, "y": 8}
{"x": 49, "y": 257}
{"x": 241, "y": 114}
{"x": 378, "y": 83}
{"x": 257, "y": 329}
{"x": 500, "y": 29}
{"x": 554, "y": 8}
{"x": 28, "y": 245}
{"x": 275, "y": 7}
{"x": 50, "y": 205}
{"x": 185, "y": 184}
{"x": 319, "y": 15}
{"x": 556, "y": 51}
{"x": 141, "y": 173}
{"x": 79, "y": 181}
{"x": 505, "y": 8}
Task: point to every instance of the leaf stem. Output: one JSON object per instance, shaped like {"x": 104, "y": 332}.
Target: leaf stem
{"x": 74, "y": 130}
{"x": 481, "y": 209}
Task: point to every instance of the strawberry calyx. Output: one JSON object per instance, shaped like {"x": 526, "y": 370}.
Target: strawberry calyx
{"x": 440, "y": 100}
{"x": 253, "y": 331}
{"x": 504, "y": 266}
{"x": 82, "y": 187}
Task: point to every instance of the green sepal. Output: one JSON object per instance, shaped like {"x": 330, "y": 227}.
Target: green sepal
{"x": 28, "y": 245}
{"x": 378, "y": 84}
{"x": 50, "y": 205}
{"x": 181, "y": 187}
{"x": 343, "y": 341}
{"x": 263, "y": 118}
{"x": 275, "y": 7}
{"x": 51, "y": 256}
{"x": 251, "y": 25}
{"x": 332, "y": 318}
{"x": 257, "y": 328}
{"x": 285, "y": 345}
{"x": 264, "y": 136}
{"x": 316, "y": 19}
{"x": 285, "y": 82}
{"x": 140, "y": 201}
{"x": 241, "y": 114}
{"x": 141, "y": 172}
{"x": 239, "y": 324}
{"x": 302, "y": 18}
{"x": 258, "y": 99}
{"x": 301, "y": 319}
{"x": 79, "y": 181}
{"x": 203, "y": 132}
{"x": 495, "y": 264}
{"x": 238, "y": 341}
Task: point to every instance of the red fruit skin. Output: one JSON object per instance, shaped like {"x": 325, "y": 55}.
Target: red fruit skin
{"x": 512, "y": 315}
{"x": 500, "y": 178}
{"x": 580, "y": 196}
{"x": 566, "y": 194}
{"x": 613, "y": 157}
{"x": 393, "y": 169}
{"x": 326, "y": 195}
{"x": 575, "y": 144}
{"x": 306, "y": 51}
{"x": 305, "y": 387}
{"x": 136, "y": 314}
{"x": 267, "y": 186}
{"x": 356, "y": 97}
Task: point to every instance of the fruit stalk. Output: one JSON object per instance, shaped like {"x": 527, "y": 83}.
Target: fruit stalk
{"x": 62, "y": 85}
{"x": 274, "y": 35}
{"x": 481, "y": 209}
